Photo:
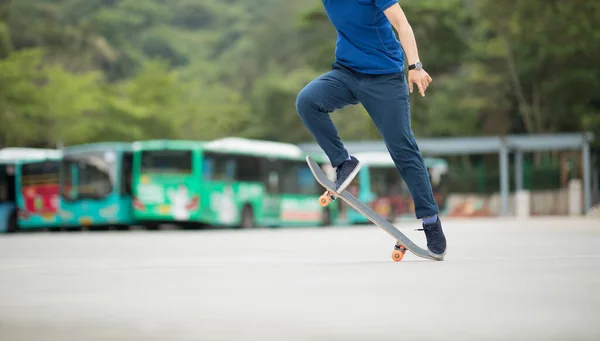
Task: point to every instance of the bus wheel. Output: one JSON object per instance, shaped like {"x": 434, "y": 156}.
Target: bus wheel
{"x": 247, "y": 217}
{"x": 13, "y": 226}
{"x": 152, "y": 227}
{"x": 326, "y": 219}
{"x": 122, "y": 227}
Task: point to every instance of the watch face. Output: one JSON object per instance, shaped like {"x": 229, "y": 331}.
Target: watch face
{"x": 418, "y": 65}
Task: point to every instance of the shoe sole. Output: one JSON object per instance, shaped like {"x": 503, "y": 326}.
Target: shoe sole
{"x": 349, "y": 179}
{"x": 435, "y": 255}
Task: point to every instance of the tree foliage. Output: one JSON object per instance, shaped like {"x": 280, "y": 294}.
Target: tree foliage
{"x": 74, "y": 71}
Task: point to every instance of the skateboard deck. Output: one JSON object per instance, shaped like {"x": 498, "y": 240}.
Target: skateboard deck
{"x": 362, "y": 208}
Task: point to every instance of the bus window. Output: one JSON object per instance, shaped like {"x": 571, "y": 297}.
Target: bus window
{"x": 229, "y": 169}
{"x": 306, "y": 181}
{"x": 271, "y": 169}
{"x": 298, "y": 179}
{"x": 208, "y": 168}
{"x": 3, "y": 184}
{"x": 289, "y": 178}
{"x": 216, "y": 167}
{"x": 167, "y": 161}
{"x": 7, "y": 184}
{"x": 247, "y": 168}
{"x": 11, "y": 184}
{"x": 87, "y": 176}
{"x": 126, "y": 173}
{"x": 40, "y": 186}
{"x": 94, "y": 180}
{"x": 68, "y": 175}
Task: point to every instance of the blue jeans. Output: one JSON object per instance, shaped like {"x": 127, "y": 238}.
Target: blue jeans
{"x": 386, "y": 99}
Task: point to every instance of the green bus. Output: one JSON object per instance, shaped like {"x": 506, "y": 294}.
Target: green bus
{"x": 232, "y": 182}
{"x": 165, "y": 179}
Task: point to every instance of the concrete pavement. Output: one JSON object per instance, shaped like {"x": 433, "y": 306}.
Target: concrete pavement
{"x": 503, "y": 279}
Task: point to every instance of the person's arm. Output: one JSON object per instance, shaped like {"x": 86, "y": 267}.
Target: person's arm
{"x": 397, "y": 18}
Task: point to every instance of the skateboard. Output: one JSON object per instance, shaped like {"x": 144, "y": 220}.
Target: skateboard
{"x": 403, "y": 242}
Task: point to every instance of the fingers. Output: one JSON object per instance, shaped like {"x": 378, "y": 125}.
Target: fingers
{"x": 422, "y": 82}
{"x": 425, "y": 86}
{"x": 421, "y": 88}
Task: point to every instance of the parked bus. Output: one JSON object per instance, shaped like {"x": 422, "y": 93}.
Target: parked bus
{"x": 37, "y": 191}
{"x": 11, "y": 195}
{"x": 379, "y": 184}
{"x": 228, "y": 182}
{"x": 167, "y": 182}
{"x": 95, "y": 185}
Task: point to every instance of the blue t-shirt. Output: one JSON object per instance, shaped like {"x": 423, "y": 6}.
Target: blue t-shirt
{"x": 366, "y": 42}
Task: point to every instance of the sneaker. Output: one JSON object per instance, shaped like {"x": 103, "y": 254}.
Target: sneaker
{"x": 345, "y": 173}
{"x": 436, "y": 241}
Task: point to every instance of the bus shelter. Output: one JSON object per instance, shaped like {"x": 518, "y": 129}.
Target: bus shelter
{"x": 501, "y": 145}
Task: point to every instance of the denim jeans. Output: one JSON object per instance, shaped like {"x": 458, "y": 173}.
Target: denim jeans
{"x": 386, "y": 99}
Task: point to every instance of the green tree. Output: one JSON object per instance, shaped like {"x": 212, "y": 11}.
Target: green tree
{"x": 235, "y": 67}
{"x": 545, "y": 50}
{"x": 21, "y": 104}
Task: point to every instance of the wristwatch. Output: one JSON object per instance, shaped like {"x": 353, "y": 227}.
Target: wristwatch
{"x": 415, "y": 66}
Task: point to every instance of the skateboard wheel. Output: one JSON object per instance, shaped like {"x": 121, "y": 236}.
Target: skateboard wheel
{"x": 324, "y": 200}
{"x": 397, "y": 255}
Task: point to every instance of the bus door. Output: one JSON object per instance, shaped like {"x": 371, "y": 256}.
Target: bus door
{"x": 8, "y": 220}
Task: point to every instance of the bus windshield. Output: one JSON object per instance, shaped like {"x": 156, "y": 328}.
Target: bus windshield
{"x": 166, "y": 161}
{"x": 89, "y": 175}
{"x": 40, "y": 187}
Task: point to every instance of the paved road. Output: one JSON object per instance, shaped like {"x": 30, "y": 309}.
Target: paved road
{"x": 501, "y": 280}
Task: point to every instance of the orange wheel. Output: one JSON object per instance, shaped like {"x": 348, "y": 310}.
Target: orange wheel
{"x": 397, "y": 255}
{"x": 324, "y": 200}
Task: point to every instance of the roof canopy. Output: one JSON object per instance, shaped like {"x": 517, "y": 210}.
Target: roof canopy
{"x": 475, "y": 145}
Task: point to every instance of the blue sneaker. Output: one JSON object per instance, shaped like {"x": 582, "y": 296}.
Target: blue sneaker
{"x": 345, "y": 173}
{"x": 436, "y": 241}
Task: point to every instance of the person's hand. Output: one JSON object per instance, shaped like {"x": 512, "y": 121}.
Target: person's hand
{"x": 421, "y": 78}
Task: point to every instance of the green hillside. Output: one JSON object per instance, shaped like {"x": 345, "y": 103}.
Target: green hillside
{"x": 75, "y": 71}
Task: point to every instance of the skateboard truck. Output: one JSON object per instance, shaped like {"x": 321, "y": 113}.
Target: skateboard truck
{"x": 326, "y": 198}
{"x": 398, "y": 253}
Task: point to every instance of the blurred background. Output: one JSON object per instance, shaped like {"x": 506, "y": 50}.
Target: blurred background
{"x": 508, "y": 123}
{"x": 131, "y": 116}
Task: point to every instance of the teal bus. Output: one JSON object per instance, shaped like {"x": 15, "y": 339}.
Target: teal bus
{"x": 95, "y": 185}
{"x": 379, "y": 185}
{"x": 28, "y": 186}
{"x": 232, "y": 182}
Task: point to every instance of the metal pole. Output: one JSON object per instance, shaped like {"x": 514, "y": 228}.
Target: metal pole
{"x": 518, "y": 171}
{"x": 504, "y": 190}
{"x": 587, "y": 177}
{"x": 596, "y": 187}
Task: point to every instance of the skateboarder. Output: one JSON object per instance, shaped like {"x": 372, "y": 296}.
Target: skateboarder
{"x": 369, "y": 69}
